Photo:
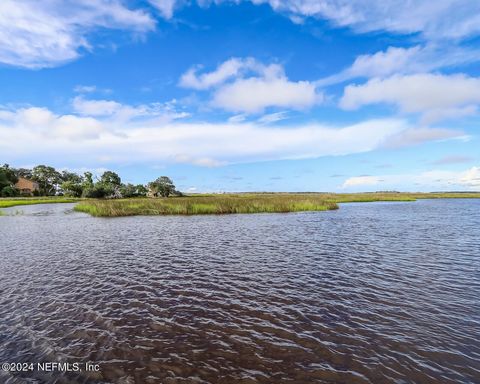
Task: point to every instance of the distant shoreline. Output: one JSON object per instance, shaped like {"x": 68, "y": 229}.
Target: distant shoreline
{"x": 229, "y": 203}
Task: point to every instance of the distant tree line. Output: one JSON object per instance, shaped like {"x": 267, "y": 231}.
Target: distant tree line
{"x": 65, "y": 183}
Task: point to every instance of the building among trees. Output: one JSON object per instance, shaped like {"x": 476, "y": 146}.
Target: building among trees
{"x": 27, "y": 187}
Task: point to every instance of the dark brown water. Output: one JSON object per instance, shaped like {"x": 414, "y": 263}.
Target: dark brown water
{"x": 371, "y": 293}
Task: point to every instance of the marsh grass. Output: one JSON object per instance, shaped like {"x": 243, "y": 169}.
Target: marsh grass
{"x": 229, "y": 203}
{"x": 12, "y": 202}
{"x": 207, "y": 204}
{"x": 245, "y": 203}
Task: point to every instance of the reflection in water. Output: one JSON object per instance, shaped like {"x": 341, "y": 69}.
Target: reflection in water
{"x": 372, "y": 293}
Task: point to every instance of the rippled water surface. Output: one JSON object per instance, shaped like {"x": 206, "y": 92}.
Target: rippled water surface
{"x": 371, "y": 293}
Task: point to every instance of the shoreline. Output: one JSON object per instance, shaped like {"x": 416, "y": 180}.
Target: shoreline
{"x": 220, "y": 204}
{"x": 230, "y": 203}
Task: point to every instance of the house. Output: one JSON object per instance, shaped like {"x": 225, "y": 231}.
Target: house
{"x": 27, "y": 187}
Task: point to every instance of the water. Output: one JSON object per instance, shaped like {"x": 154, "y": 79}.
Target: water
{"x": 371, "y": 293}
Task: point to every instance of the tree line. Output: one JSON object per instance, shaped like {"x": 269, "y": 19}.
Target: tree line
{"x": 65, "y": 183}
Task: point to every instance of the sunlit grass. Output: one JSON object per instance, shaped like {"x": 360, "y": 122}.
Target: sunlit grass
{"x": 12, "y": 202}
{"x": 245, "y": 203}
{"x": 228, "y": 203}
{"x": 207, "y": 204}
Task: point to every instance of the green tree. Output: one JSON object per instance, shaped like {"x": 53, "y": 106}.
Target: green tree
{"x": 71, "y": 176}
{"x": 163, "y": 186}
{"x": 23, "y": 172}
{"x": 88, "y": 179}
{"x": 141, "y": 190}
{"x": 130, "y": 190}
{"x": 48, "y": 179}
{"x": 110, "y": 178}
{"x": 71, "y": 188}
{"x": 72, "y": 184}
{"x": 96, "y": 191}
{"x": 110, "y": 182}
{"x": 8, "y": 178}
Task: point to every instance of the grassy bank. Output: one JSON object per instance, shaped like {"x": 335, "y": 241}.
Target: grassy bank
{"x": 12, "y": 202}
{"x": 209, "y": 204}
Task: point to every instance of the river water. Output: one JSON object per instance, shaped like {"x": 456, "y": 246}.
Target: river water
{"x": 371, "y": 293}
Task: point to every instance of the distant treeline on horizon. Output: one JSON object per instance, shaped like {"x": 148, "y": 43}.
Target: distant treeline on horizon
{"x": 43, "y": 180}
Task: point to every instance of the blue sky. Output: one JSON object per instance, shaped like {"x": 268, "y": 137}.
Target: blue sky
{"x": 261, "y": 95}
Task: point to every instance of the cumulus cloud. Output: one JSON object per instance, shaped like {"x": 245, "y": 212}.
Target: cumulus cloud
{"x": 246, "y": 85}
{"x": 80, "y": 138}
{"x": 41, "y": 122}
{"x": 233, "y": 67}
{"x": 397, "y": 60}
{"x": 36, "y": 34}
{"x": 471, "y": 177}
{"x": 255, "y": 94}
{"x": 441, "y": 180}
{"x": 361, "y": 181}
{"x": 434, "y": 96}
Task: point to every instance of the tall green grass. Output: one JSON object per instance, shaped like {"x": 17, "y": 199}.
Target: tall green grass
{"x": 229, "y": 203}
{"x": 12, "y": 202}
{"x": 199, "y": 205}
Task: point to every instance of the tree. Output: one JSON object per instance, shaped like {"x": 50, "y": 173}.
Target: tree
{"x": 72, "y": 184}
{"x": 141, "y": 190}
{"x": 130, "y": 190}
{"x": 88, "y": 179}
{"x": 110, "y": 182}
{"x": 71, "y": 188}
{"x": 87, "y": 185}
{"x": 163, "y": 186}
{"x": 8, "y": 178}
{"x": 71, "y": 176}
{"x": 110, "y": 178}
{"x": 23, "y": 172}
{"x": 96, "y": 191}
{"x": 48, "y": 179}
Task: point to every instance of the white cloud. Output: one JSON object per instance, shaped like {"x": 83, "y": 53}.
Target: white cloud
{"x": 273, "y": 117}
{"x": 433, "y": 180}
{"x": 433, "y": 20}
{"x": 237, "y": 119}
{"x": 453, "y": 19}
{"x": 395, "y": 60}
{"x": 77, "y": 139}
{"x": 85, "y": 89}
{"x": 248, "y": 86}
{"x": 434, "y": 96}
{"x": 361, "y": 181}
{"x": 255, "y": 94}
{"x": 115, "y": 110}
{"x": 36, "y": 34}
{"x": 471, "y": 177}
{"x": 166, "y": 7}
{"x": 41, "y": 122}
{"x": 416, "y": 136}
{"x": 231, "y": 68}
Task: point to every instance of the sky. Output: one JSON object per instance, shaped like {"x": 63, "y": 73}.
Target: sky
{"x": 253, "y": 95}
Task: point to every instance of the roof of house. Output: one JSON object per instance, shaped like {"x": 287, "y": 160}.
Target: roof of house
{"x": 23, "y": 183}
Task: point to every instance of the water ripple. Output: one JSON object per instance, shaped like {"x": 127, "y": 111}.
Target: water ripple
{"x": 371, "y": 293}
